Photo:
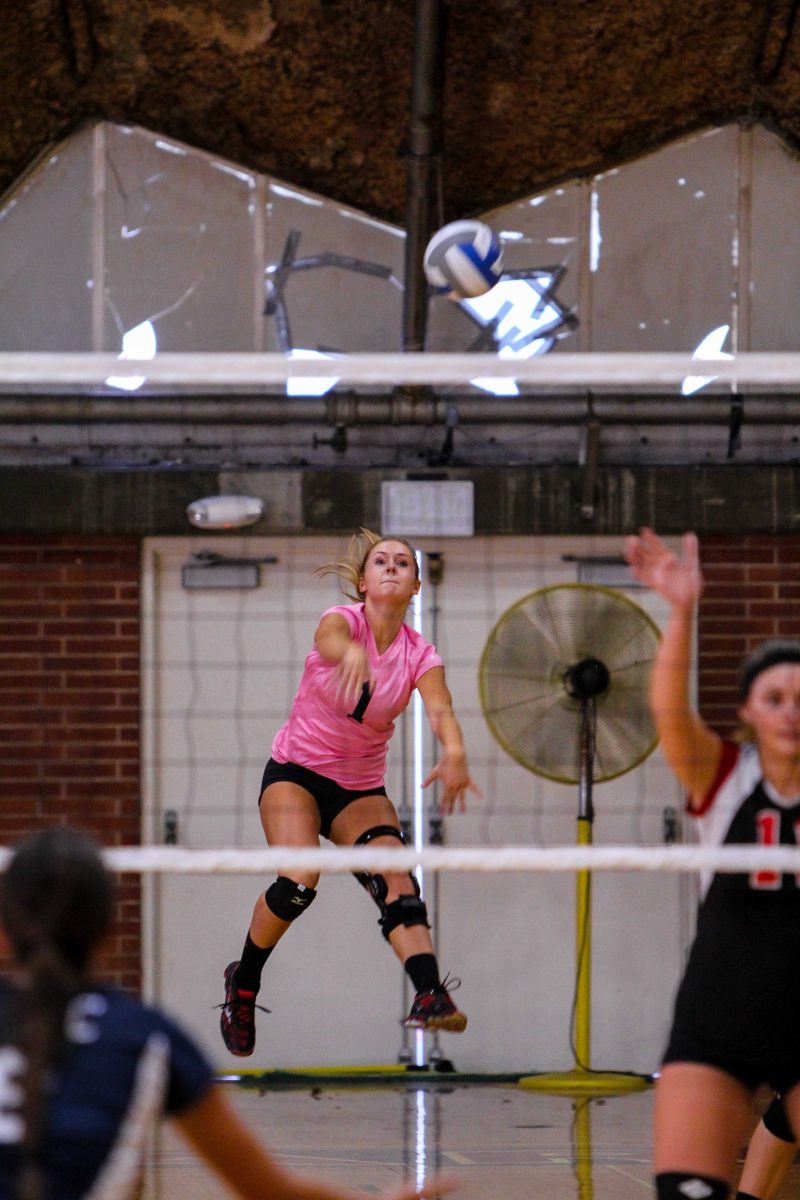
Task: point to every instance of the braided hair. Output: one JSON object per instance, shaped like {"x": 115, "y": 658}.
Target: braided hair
{"x": 56, "y": 905}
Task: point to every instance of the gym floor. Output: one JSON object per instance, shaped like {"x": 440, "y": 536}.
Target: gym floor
{"x": 498, "y": 1139}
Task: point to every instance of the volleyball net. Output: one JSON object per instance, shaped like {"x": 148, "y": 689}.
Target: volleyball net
{"x": 193, "y": 371}
{"x": 685, "y": 859}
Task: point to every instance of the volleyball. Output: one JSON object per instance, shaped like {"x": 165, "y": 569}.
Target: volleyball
{"x": 463, "y": 259}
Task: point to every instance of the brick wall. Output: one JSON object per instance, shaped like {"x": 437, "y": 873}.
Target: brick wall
{"x": 69, "y": 703}
{"x": 751, "y": 593}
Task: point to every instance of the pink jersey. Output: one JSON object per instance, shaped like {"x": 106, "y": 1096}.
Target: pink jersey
{"x": 348, "y": 742}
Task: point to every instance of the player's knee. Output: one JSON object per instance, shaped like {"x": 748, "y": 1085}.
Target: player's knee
{"x": 684, "y": 1185}
{"x": 376, "y": 883}
{"x": 400, "y": 883}
{"x": 287, "y": 899}
{"x": 407, "y": 908}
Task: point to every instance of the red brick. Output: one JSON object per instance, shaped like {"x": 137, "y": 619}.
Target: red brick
{"x": 775, "y": 574}
{"x": 103, "y": 574}
{"x": 18, "y": 629}
{"x": 69, "y": 682}
{"x": 90, "y": 611}
{"x": 763, "y": 608}
{"x": 104, "y": 628}
{"x": 93, "y": 645}
{"x": 41, "y": 609}
{"x": 758, "y": 628}
{"x": 65, "y": 660}
{"x": 730, "y": 554}
{"x": 733, "y": 609}
{"x": 33, "y": 647}
{"x": 81, "y": 786}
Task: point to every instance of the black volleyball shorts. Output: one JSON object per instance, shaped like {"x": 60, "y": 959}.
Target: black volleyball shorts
{"x": 331, "y": 798}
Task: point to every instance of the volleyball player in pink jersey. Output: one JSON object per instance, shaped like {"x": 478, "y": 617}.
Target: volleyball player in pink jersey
{"x": 325, "y": 776}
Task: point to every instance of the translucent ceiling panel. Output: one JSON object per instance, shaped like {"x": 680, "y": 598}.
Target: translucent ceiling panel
{"x": 45, "y": 253}
{"x": 181, "y": 246}
{"x": 663, "y": 254}
{"x": 535, "y": 307}
{"x": 333, "y": 276}
{"x": 775, "y": 245}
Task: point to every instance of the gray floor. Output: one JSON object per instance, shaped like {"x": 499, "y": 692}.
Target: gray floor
{"x": 500, "y": 1140}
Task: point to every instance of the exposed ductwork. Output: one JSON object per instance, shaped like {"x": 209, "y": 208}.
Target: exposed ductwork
{"x": 423, "y": 187}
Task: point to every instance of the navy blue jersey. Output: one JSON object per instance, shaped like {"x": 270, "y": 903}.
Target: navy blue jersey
{"x": 738, "y": 1002}
{"x": 124, "y": 1066}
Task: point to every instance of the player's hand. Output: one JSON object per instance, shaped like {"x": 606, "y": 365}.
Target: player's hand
{"x": 431, "y": 1189}
{"x": 454, "y": 779}
{"x": 678, "y": 579}
{"x": 352, "y": 671}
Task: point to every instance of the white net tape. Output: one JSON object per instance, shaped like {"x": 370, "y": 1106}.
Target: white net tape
{"x": 339, "y": 861}
{"x": 254, "y": 371}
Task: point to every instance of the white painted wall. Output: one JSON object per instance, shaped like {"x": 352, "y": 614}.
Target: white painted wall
{"x": 221, "y": 668}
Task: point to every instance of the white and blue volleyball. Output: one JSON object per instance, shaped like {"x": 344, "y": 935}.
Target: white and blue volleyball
{"x": 463, "y": 259}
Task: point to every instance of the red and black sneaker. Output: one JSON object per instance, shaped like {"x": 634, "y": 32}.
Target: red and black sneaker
{"x": 238, "y": 1017}
{"x": 434, "y": 1009}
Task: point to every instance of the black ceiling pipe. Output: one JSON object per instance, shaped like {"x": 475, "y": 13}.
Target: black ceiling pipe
{"x": 422, "y": 174}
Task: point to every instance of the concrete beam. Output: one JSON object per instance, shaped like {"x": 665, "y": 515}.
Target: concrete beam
{"x": 733, "y": 498}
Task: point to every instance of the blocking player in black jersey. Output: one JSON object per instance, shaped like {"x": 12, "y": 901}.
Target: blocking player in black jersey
{"x": 85, "y": 1070}
{"x": 735, "y": 1023}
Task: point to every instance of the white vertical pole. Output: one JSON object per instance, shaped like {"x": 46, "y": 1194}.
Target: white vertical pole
{"x": 418, "y": 806}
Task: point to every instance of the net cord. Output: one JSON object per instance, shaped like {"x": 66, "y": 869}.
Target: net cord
{"x": 343, "y": 860}
{"x": 229, "y": 370}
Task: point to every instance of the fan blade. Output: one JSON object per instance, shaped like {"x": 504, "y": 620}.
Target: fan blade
{"x": 523, "y": 668}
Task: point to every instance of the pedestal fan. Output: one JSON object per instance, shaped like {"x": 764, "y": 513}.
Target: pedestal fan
{"x": 563, "y": 682}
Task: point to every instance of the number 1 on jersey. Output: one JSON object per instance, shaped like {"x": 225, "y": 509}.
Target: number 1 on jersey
{"x": 361, "y": 707}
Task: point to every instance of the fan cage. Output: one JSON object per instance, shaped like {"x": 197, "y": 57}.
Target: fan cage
{"x": 527, "y": 708}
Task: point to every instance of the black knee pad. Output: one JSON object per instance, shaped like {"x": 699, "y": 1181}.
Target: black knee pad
{"x": 376, "y": 884}
{"x": 405, "y": 910}
{"x": 683, "y": 1185}
{"x": 287, "y": 899}
{"x": 776, "y": 1122}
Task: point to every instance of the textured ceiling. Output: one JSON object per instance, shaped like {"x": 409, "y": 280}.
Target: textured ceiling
{"x": 317, "y": 91}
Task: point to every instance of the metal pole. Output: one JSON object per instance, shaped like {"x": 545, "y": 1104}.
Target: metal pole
{"x": 583, "y": 885}
{"x": 436, "y": 1058}
{"x": 404, "y": 1054}
{"x": 423, "y": 163}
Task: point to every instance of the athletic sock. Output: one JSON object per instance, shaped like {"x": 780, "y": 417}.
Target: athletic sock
{"x": 251, "y": 964}
{"x": 423, "y": 972}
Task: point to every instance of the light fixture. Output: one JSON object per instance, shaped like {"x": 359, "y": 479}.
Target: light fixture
{"x": 225, "y": 512}
{"x": 604, "y": 570}
{"x": 208, "y": 570}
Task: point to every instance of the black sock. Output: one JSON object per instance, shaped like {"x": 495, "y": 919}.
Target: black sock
{"x": 423, "y": 972}
{"x": 251, "y": 964}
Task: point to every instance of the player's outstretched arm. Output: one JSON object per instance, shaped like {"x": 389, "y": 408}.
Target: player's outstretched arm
{"x": 451, "y": 770}
{"x": 692, "y": 749}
